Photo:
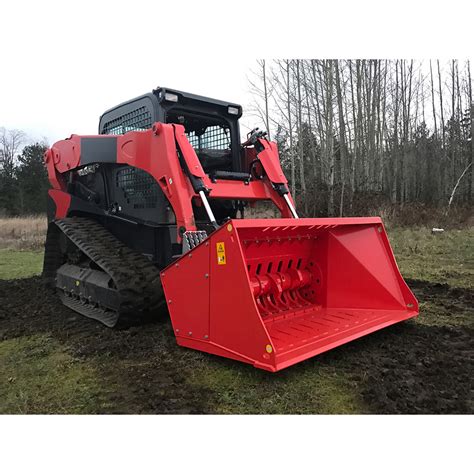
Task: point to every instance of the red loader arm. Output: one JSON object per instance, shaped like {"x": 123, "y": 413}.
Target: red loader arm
{"x": 165, "y": 153}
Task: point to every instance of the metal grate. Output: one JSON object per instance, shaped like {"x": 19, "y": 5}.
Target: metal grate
{"x": 139, "y": 119}
{"x": 139, "y": 188}
{"x": 215, "y": 138}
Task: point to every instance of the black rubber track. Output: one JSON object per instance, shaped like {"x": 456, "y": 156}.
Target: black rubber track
{"x": 135, "y": 278}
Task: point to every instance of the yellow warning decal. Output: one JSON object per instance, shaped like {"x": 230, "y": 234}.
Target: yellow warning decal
{"x": 220, "y": 253}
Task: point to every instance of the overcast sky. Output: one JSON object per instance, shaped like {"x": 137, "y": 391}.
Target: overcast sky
{"x": 70, "y": 98}
{"x": 63, "y": 63}
{"x": 73, "y": 66}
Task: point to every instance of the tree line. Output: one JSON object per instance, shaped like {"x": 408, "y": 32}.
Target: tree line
{"x": 353, "y": 135}
{"x": 23, "y": 178}
{"x": 356, "y": 134}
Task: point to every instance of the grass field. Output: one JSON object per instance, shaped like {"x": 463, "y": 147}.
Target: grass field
{"x": 443, "y": 258}
{"x": 23, "y": 233}
{"x": 61, "y": 364}
{"x": 20, "y": 264}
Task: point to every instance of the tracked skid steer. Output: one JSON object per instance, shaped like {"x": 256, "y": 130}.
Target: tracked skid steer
{"x": 150, "y": 212}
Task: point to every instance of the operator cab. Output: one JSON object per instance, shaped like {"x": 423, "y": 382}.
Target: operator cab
{"x": 211, "y": 125}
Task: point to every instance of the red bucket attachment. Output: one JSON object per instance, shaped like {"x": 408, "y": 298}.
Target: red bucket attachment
{"x": 274, "y": 292}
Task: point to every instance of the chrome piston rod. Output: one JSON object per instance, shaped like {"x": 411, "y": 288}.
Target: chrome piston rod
{"x": 290, "y": 206}
{"x": 209, "y": 212}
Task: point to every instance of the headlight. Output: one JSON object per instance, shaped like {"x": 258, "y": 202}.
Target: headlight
{"x": 171, "y": 97}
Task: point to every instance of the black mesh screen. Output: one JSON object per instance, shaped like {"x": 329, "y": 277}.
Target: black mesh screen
{"x": 214, "y": 138}
{"x": 139, "y": 188}
{"x": 139, "y": 119}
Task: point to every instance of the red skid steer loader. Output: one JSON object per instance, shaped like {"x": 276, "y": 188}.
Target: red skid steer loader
{"x": 151, "y": 211}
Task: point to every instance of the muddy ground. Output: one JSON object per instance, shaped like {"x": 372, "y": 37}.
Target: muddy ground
{"x": 420, "y": 366}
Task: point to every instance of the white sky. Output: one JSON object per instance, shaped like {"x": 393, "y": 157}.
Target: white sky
{"x": 66, "y": 100}
{"x": 63, "y": 63}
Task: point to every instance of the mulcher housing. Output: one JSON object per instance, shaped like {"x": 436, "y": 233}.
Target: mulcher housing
{"x": 164, "y": 186}
{"x": 273, "y": 293}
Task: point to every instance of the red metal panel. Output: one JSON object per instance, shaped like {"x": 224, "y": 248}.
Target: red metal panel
{"x": 271, "y": 162}
{"x": 154, "y": 151}
{"x": 62, "y": 201}
{"x": 360, "y": 274}
{"x": 235, "y": 321}
{"x": 188, "y": 295}
{"x": 67, "y": 153}
{"x": 332, "y": 334}
{"x": 189, "y": 155}
{"x": 235, "y": 327}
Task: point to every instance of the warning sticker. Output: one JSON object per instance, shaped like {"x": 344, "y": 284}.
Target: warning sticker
{"x": 220, "y": 253}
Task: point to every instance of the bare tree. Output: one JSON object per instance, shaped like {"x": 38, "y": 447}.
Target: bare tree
{"x": 471, "y": 137}
{"x": 433, "y": 101}
{"x": 261, "y": 92}
{"x": 342, "y": 135}
{"x": 11, "y": 142}
{"x": 441, "y": 105}
{"x": 329, "y": 133}
{"x": 299, "y": 128}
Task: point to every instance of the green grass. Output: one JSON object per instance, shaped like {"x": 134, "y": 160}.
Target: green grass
{"x": 447, "y": 257}
{"x": 20, "y": 264}
{"x": 39, "y": 376}
{"x": 309, "y": 388}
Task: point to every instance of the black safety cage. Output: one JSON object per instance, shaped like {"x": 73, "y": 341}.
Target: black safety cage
{"x": 210, "y": 124}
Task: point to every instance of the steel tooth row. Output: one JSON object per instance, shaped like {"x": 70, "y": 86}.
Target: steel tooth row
{"x": 134, "y": 276}
{"x": 279, "y": 239}
{"x": 277, "y": 293}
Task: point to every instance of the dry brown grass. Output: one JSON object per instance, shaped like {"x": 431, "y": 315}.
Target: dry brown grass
{"x": 23, "y": 233}
{"x": 262, "y": 210}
